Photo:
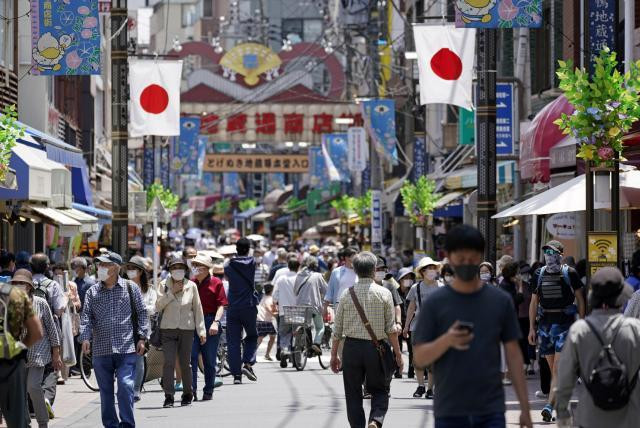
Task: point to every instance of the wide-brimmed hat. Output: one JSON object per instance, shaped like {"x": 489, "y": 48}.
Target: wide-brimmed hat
{"x": 203, "y": 260}
{"x": 218, "y": 269}
{"x": 110, "y": 257}
{"x": 177, "y": 261}
{"x": 137, "y": 262}
{"x": 314, "y": 249}
{"x": 424, "y": 262}
{"x": 404, "y": 272}
{"x": 22, "y": 275}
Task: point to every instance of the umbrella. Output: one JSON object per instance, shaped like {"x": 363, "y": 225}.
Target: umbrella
{"x": 255, "y": 237}
{"x": 193, "y": 233}
{"x": 227, "y": 250}
{"x": 232, "y": 231}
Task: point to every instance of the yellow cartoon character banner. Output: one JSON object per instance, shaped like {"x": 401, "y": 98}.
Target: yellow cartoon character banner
{"x": 498, "y": 13}
{"x": 65, "y": 37}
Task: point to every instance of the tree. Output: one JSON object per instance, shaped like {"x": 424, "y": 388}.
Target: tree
{"x": 9, "y": 134}
{"x": 344, "y": 205}
{"x": 419, "y": 200}
{"x": 362, "y": 207}
{"x": 168, "y": 199}
{"x": 247, "y": 204}
{"x": 222, "y": 207}
{"x": 606, "y": 105}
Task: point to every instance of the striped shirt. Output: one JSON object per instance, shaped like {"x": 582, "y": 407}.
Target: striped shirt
{"x": 377, "y": 303}
{"x": 262, "y": 274}
{"x": 39, "y": 355}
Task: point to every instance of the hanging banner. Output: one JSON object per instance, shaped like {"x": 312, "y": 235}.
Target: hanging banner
{"x": 380, "y": 121}
{"x": 202, "y": 152}
{"x": 336, "y": 145}
{"x": 466, "y": 127}
{"x": 65, "y": 37}
{"x": 419, "y": 159}
{"x": 240, "y": 162}
{"x": 318, "y": 175}
{"x": 358, "y": 150}
{"x": 366, "y": 177}
{"x": 275, "y": 181}
{"x": 504, "y": 118}
{"x": 231, "y": 183}
{"x": 376, "y": 221}
{"x": 602, "y": 29}
{"x": 148, "y": 164}
{"x": 499, "y": 13}
{"x": 185, "y": 153}
{"x": 165, "y": 176}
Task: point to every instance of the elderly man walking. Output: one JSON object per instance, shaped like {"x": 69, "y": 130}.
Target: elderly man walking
{"x": 365, "y": 318}
{"x": 309, "y": 288}
{"x": 114, "y": 326}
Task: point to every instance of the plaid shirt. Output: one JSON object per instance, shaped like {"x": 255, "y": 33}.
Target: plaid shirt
{"x": 262, "y": 273}
{"x": 106, "y": 318}
{"x": 39, "y": 355}
{"x": 377, "y": 303}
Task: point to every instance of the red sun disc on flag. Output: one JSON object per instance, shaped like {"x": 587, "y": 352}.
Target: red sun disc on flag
{"x": 154, "y": 99}
{"x": 446, "y": 64}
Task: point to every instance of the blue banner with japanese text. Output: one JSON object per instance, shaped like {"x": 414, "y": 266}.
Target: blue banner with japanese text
{"x": 602, "y": 31}
{"x": 419, "y": 159}
{"x": 318, "y": 175}
{"x": 186, "y": 150}
{"x": 338, "y": 152}
{"x": 65, "y": 37}
{"x": 498, "y": 13}
{"x": 380, "y": 122}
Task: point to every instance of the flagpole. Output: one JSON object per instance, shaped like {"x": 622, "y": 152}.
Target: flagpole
{"x": 119, "y": 127}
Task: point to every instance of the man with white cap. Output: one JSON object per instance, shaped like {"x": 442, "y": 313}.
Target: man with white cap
{"x": 427, "y": 271}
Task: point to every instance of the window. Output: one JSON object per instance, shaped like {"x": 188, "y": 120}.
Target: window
{"x": 292, "y": 29}
{"x": 207, "y": 8}
{"x": 312, "y": 29}
{"x": 6, "y": 34}
{"x": 189, "y": 13}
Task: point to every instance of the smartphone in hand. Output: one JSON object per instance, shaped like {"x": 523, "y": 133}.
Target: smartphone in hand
{"x": 466, "y": 326}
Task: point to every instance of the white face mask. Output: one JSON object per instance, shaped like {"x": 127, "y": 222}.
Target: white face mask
{"x": 431, "y": 275}
{"x": 195, "y": 271}
{"x": 380, "y": 276}
{"x": 103, "y": 273}
{"x": 132, "y": 274}
{"x": 485, "y": 277}
{"x": 407, "y": 282}
{"x": 177, "y": 274}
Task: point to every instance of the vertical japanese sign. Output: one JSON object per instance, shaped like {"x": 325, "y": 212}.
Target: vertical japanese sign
{"x": 318, "y": 176}
{"x": 602, "y": 28}
{"x": 466, "y": 127}
{"x": 65, "y": 37}
{"x": 380, "y": 121}
{"x": 376, "y": 221}
{"x": 231, "y": 183}
{"x": 419, "y": 159}
{"x": 186, "y": 151}
{"x": 366, "y": 178}
{"x": 338, "y": 152}
{"x": 148, "y": 164}
{"x": 358, "y": 149}
{"x": 504, "y": 118}
{"x": 498, "y": 13}
{"x": 165, "y": 176}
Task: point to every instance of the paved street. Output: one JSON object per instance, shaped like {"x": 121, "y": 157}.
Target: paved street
{"x": 281, "y": 398}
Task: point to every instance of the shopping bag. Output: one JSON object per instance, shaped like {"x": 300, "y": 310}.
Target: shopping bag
{"x": 68, "y": 349}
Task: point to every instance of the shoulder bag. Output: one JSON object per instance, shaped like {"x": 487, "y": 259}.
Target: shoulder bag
{"x": 135, "y": 322}
{"x": 387, "y": 361}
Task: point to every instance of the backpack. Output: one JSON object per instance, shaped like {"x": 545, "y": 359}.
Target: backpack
{"x": 10, "y": 347}
{"x": 608, "y": 382}
{"x": 41, "y": 289}
{"x": 556, "y": 302}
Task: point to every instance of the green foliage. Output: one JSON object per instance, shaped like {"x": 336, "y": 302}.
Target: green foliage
{"x": 9, "y": 133}
{"x": 294, "y": 203}
{"x": 222, "y": 207}
{"x": 419, "y": 200}
{"x": 247, "y": 204}
{"x": 606, "y": 105}
{"x": 344, "y": 205}
{"x": 168, "y": 199}
{"x": 362, "y": 207}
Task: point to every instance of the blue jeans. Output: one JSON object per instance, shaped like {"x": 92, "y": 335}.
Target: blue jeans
{"x": 209, "y": 356}
{"x": 492, "y": 420}
{"x": 238, "y": 319}
{"x": 123, "y": 368}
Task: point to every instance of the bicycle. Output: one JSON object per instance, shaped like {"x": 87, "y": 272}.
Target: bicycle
{"x": 300, "y": 318}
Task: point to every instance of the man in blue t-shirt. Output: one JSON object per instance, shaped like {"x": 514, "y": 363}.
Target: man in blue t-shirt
{"x": 459, "y": 331}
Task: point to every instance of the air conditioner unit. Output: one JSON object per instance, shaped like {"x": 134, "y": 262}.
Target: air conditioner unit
{"x": 138, "y": 208}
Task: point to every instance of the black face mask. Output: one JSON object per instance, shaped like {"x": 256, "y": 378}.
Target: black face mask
{"x": 467, "y": 273}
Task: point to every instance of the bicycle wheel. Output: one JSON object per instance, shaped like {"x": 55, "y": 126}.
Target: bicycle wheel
{"x": 299, "y": 349}
{"x": 86, "y": 371}
{"x": 222, "y": 365}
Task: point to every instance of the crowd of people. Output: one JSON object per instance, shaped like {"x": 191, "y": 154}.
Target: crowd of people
{"x": 469, "y": 328}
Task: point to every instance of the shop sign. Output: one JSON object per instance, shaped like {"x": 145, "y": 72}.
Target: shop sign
{"x": 562, "y": 225}
{"x": 357, "y": 151}
{"x": 376, "y": 220}
{"x": 498, "y": 14}
{"x": 602, "y": 28}
{"x": 229, "y": 162}
{"x": 602, "y": 250}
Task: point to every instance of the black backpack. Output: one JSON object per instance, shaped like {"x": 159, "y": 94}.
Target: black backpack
{"x": 609, "y": 383}
{"x": 41, "y": 289}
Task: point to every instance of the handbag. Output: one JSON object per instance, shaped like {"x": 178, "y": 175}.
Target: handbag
{"x": 75, "y": 321}
{"x": 155, "y": 321}
{"x": 68, "y": 347}
{"x": 135, "y": 322}
{"x": 387, "y": 361}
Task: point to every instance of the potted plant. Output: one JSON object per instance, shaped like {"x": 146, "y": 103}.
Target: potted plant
{"x": 419, "y": 200}
{"x": 10, "y": 131}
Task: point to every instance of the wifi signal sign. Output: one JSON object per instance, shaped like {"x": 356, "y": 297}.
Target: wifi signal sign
{"x": 603, "y": 248}
{"x": 603, "y": 244}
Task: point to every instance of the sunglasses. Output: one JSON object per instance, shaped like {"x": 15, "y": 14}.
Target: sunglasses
{"x": 550, "y": 252}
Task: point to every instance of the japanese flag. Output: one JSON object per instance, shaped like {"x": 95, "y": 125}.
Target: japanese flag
{"x": 445, "y": 64}
{"x": 155, "y": 97}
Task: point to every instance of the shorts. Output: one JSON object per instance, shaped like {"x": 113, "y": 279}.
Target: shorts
{"x": 265, "y": 328}
{"x": 551, "y": 338}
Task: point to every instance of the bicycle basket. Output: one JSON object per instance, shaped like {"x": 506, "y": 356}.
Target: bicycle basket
{"x": 297, "y": 314}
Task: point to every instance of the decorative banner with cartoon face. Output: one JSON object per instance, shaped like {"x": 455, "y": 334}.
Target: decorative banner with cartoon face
{"x": 380, "y": 122}
{"x": 498, "y": 13}
{"x": 65, "y": 37}
{"x": 186, "y": 150}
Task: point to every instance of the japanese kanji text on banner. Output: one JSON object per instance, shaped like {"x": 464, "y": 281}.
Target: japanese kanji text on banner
{"x": 227, "y": 162}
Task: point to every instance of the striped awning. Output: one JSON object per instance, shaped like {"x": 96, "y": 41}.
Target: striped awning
{"x": 467, "y": 177}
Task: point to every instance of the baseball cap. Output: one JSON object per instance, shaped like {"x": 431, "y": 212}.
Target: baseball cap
{"x": 555, "y": 246}
{"x": 607, "y": 283}
{"x": 178, "y": 261}
{"x": 110, "y": 257}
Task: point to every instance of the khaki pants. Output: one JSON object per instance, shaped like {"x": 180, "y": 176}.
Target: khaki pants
{"x": 176, "y": 343}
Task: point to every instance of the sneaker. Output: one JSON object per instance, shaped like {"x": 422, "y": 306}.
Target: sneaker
{"x": 506, "y": 382}
{"x": 136, "y": 398}
{"x": 207, "y": 397}
{"x": 195, "y": 397}
{"x": 547, "y": 413}
{"x": 186, "y": 399}
{"x": 178, "y": 386}
{"x": 49, "y": 408}
{"x": 410, "y": 373}
{"x": 366, "y": 394}
{"x": 217, "y": 383}
{"x": 278, "y": 354}
{"x": 316, "y": 349}
{"x": 247, "y": 370}
{"x": 419, "y": 392}
{"x": 373, "y": 424}
{"x": 283, "y": 362}
{"x": 541, "y": 395}
{"x": 268, "y": 358}
{"x": 237, "y": 380}
{"x": 429, "y": 394}
{"x": 168, "y": 401}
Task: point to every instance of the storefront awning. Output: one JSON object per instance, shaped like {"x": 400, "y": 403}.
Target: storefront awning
{"x": 467, "y": 177}
{"x": 67, "y": 225}
{"x": 187, "y": 213}
{"x": 104, "y": 216}
{"x": 538, "y": 139}
{"x": 244, "y": 215}
{"x": 262, "y": 216}
{"x": 89, "y": 222}
{"x": 571, "y": 196}
{"x": 202, "y": 203}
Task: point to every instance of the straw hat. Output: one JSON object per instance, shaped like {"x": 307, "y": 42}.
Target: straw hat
{"x": 203, "y": 260}
{"x": 424, "y": 262}
{"x": 218, "y": 269}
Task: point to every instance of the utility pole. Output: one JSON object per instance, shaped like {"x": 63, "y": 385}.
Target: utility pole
{"x": 375, "y": 161}
{"x": 486, "y": 139}
{"x": 119, "y": 127}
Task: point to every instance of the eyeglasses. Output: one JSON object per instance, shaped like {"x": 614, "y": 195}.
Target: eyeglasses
{"x": 550, "y": 252}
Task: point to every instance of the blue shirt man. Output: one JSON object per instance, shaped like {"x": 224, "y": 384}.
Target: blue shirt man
{"x": 107, "y": 329}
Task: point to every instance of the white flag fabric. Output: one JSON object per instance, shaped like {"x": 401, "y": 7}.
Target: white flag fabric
{"x": 358, "y": 149}
{"x": 334, "y": 174}
{"x": 445, "y": 64}
{"x": 155, "y": 97}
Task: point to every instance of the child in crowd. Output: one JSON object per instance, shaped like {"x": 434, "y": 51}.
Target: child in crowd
{"x": 265, "y": 327}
